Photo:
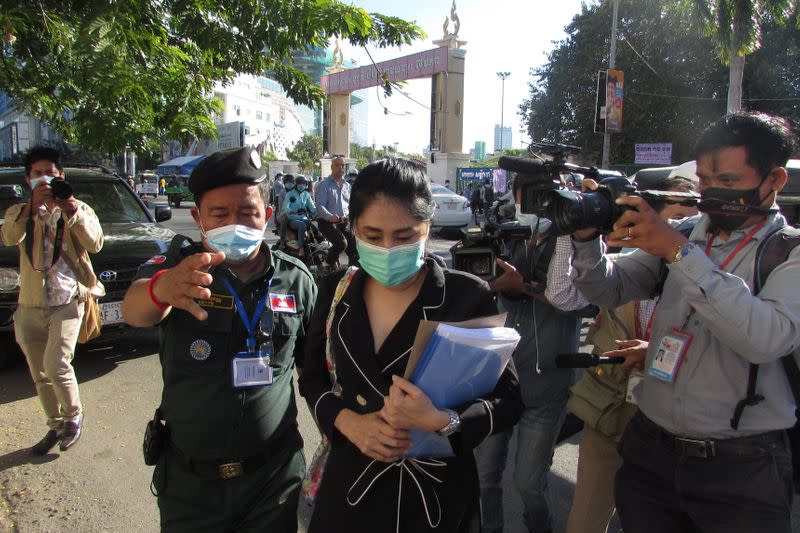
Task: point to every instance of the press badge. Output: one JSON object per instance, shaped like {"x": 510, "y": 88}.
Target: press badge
{"x": 252, "y": 369}
{"x": 669, "y": 355}
{"x": 634, "y": 381}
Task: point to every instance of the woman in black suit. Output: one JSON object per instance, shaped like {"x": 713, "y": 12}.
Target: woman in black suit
{"x": 368, "y": 484}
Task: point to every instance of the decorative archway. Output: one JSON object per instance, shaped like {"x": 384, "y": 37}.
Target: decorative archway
{"x": 443, "y": 64}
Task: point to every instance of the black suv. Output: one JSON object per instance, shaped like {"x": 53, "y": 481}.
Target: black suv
{"x": 131, "y": 237}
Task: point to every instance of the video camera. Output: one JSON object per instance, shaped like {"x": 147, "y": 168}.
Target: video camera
{"x": 478, "y": 251}
{"x": 544, "y": 193}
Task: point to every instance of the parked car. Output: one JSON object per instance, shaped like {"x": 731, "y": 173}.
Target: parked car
{"x": 788, "y": 198}
{"x": 452, "y": 210}
{"x": 132, "y": 236}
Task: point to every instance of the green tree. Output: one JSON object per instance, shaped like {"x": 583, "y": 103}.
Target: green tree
{"x": 306, "y": 151}
{"x": 138, "y": 72}
{"x": 674, "y": 86}
{"x": 268, "y": 156}
{"x": 735, "y": 27}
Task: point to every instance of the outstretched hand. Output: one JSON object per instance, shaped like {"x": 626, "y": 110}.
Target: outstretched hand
{"x": 181, "y": 285}
{"x": 510, "y": 281}
{"x": 634, "y": 352}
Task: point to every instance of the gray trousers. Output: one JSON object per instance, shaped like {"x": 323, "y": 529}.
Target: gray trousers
{"x": 47, "y": 336}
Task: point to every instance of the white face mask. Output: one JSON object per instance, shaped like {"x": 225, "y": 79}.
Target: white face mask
{"x": 40, "y": 179}
{"x": 529, "y": 219}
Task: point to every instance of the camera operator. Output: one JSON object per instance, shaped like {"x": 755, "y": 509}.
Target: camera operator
{"x": 545, "y": 332}
{"x": 689, "y": 463}
{"x": 604, "y": 409}
{"x": 55, "y": 234}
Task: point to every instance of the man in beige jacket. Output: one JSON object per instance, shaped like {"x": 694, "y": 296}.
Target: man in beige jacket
{"x": 54, "y": 236}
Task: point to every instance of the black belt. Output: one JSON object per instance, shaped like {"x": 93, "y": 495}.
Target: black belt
{"x": 233, "y": 468}
{"x": 705, "y": 448}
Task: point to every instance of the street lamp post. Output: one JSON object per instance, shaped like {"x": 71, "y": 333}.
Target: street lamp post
{"x": 503, "y": 76}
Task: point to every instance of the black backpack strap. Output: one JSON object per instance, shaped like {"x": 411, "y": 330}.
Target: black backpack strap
{"x": 751, "y": 399}
{"x": 773, "y": 250}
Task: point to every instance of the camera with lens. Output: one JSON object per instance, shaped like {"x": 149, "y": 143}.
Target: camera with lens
{"x": 478, "y": 251}
{"x": 61, "y": 189}
{"x": 544, "y": 193}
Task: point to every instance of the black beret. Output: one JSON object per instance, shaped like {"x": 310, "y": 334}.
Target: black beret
{"x": 227, "y": 167}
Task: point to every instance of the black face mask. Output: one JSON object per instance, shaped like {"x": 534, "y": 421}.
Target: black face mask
{"x": 728, "y": 209}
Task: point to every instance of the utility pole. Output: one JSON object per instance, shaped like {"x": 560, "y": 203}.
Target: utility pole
{"x": 503, "y": 76}
{"x": 612, "y": 57}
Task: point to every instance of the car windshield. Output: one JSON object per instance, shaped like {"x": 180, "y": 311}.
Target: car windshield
{"x": 440, "y": 189}
{"x": 111, "y": 201}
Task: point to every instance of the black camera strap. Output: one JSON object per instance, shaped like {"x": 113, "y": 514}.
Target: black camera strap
{"x": 58, "y": 242}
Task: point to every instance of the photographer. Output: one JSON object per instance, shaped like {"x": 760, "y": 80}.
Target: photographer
{"x": 545, "y": 332}
{"x": 55, "y": 234}
{"x": 599, "y": 396}
{"x": 692, "y": 460}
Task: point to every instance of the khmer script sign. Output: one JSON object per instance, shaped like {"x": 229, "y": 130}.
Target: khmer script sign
{"x": 418, "y": 65}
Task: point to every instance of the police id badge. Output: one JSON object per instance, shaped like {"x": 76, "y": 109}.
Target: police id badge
{"x": 252, "y": 369}
{"x": 669, "y": 355}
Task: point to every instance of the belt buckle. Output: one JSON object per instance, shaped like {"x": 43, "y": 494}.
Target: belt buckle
{"x": 698, "y": 448}
{"x": 230, "y": 470}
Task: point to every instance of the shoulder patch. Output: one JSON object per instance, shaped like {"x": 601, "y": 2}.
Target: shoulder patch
{"x": 155, "y": 260}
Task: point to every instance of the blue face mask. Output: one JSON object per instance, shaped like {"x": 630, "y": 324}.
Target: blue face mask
{"x": 288, "y": 186}
{"x": 391, "y": 266}
{"x": 238, "y": 242}
{"x": 301, "y": 188}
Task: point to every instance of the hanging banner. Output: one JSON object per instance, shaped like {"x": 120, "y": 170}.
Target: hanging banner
{"x": 615, "y": 81}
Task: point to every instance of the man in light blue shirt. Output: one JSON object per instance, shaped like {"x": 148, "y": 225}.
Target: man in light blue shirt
{"x": 333, "y": 199}
{"x": 690, "y": 464}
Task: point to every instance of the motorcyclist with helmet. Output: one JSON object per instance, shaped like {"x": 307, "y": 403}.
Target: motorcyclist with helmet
{"x": 298, "y": 208}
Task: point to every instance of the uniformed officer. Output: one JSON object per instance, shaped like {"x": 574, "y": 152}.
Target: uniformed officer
{"x": 232, "y": 316}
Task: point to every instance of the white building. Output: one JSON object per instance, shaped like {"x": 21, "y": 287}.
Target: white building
{"x": 270, "y": 119}
{"x": 20, "y": 132}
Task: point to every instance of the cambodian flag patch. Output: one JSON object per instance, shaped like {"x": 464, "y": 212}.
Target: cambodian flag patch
{"x": 282, "y": 303}
{"x": 156, "y": 260}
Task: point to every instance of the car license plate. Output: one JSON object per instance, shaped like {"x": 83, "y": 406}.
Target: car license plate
{"x": 110, "y": 313}
{"x": 452, "y": 205}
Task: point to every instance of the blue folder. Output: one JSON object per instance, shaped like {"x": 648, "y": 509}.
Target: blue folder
{"x": 457, "y": 366}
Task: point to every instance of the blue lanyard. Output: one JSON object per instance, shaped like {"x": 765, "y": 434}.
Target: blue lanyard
{"x": 249, "y": 323}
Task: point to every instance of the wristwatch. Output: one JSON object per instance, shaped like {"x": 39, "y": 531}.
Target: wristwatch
{"x": 682, "y": 251}
{"x": 452, "y": 426}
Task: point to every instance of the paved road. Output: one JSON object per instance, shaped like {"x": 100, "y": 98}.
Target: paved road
{"x": 102, "y": 484}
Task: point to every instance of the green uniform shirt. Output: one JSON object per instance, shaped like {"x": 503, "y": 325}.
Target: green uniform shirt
{"x": 209, "y": 418}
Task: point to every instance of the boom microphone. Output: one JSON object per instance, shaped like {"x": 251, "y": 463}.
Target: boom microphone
{"x": 585, "y": 360}
{"x": 522, "y": 165}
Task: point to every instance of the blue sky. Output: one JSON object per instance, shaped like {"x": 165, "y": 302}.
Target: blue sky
{"x": 501, "y": 35}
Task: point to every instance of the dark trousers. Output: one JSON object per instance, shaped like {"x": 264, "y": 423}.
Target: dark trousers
{"x": 263, "y": 500}
{"x": 341, "y": 239}
{"x": 662, "y": 486}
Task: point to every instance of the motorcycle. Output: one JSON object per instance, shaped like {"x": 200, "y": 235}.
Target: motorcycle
{"x": 314, "y": 250}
